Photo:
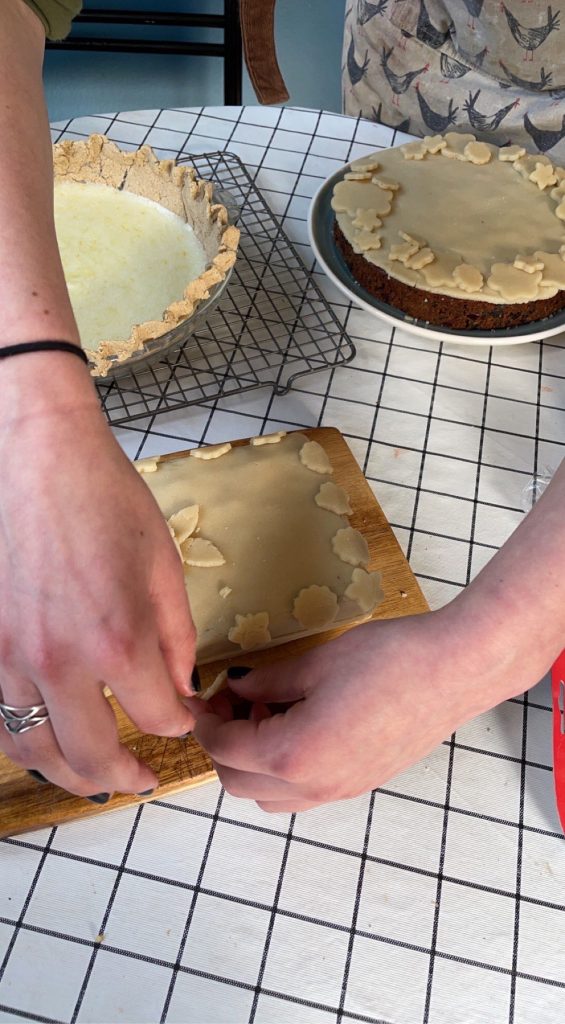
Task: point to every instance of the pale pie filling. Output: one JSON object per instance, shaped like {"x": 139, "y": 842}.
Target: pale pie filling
{"x": 125, "y": 258}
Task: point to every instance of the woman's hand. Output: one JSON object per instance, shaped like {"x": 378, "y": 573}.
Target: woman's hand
{"x": 371, "y": 703}
{"x": 91, "y": 586}
{"x": 367, "y": 705}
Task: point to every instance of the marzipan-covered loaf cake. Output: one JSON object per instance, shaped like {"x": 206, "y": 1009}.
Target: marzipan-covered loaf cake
{"x": 456, "y": 232}
{"x": 266, "y": 545}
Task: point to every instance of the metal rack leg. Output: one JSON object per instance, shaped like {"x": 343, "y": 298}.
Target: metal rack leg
{"x": 233, "y": 60}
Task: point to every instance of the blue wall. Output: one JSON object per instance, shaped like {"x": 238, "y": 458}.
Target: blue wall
{"x": 308, "y": 36}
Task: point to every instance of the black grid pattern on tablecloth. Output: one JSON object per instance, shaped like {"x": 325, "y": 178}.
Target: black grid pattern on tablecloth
{"x": 457, "y": 847}
{"x": 288, "y": 839}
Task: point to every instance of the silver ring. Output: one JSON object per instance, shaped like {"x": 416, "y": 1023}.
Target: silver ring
{"x": 20, "y": 720}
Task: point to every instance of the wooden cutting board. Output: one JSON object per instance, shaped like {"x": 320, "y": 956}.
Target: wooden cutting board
{"x": 26, "y": 805}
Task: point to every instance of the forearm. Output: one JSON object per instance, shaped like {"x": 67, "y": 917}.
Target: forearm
{"x": 33, "y": 294}
{"x": 513, "y": 614}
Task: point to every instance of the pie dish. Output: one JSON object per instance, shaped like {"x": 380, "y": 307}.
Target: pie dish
{"x": 143, "y": 244}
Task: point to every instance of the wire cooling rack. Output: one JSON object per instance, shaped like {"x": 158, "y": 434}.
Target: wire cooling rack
{"x": 271, "y": 325}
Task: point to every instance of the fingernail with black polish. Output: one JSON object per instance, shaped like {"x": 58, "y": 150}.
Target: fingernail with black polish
{"x": 238, "y": 671}
{"x": 195, "y": 680}
{"x": 99, "y": 798}
{"x": 147, "y": 792}
{"x": 37, "y": 776}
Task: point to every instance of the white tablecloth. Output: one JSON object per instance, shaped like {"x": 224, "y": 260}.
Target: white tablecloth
{"x": 441, "y": 897}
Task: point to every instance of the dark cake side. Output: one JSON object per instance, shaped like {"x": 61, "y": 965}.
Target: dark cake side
{"x": 443, "y": 310}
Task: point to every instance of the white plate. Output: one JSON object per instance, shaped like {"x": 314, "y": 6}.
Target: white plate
{"x": 320, "y": 228}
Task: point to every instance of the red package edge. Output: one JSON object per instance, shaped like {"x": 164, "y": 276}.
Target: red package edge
{"x": 558, "y": 704}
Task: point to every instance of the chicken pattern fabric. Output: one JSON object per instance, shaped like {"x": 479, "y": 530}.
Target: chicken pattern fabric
{"x": 492, "y": 67}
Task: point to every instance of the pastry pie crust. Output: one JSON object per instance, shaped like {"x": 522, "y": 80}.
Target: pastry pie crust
{"x": 178, "y": 189}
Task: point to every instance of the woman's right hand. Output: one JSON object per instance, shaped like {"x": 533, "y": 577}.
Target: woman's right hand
{"x": 91, "y": 586}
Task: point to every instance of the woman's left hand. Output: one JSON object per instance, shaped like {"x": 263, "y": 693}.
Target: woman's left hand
{"x": 364, "y": 707}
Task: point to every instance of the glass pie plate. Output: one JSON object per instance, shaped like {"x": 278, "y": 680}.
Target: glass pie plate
{"x": 156, "y": 348}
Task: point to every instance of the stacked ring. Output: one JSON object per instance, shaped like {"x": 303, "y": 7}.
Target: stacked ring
{"x": 20, "y": 720}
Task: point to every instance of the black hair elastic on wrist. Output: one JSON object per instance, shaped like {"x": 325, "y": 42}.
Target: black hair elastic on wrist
{"x": 43, "y": 346}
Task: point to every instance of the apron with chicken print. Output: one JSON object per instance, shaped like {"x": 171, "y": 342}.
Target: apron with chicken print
{"x": 492, "y": 67}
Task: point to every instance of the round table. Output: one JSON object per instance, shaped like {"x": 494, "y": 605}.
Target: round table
{"x": 439, "y": 898}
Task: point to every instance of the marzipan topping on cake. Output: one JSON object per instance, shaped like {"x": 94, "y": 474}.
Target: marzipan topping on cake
{"x": 276, "y": 555}
{"x": 458, "y": 217}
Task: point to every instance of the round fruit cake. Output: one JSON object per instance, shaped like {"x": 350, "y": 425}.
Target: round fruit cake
{"x": 456, "y": 232}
